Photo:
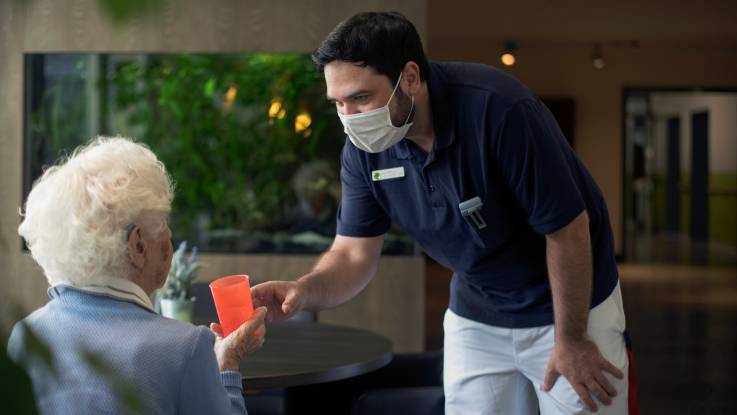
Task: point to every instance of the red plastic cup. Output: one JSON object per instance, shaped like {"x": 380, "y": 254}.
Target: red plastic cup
{"x": 233, "y": 302}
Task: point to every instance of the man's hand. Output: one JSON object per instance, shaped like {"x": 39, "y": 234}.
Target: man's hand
{"x": 247, "y": 339}
{"x": 583, "y": 365}
{"x": 339, "y": 275}
{"x": 282, "y": 298}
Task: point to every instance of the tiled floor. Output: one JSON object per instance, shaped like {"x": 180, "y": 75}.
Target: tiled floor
{"x": 679, "y": 249}
{"x": 683, "y": 321}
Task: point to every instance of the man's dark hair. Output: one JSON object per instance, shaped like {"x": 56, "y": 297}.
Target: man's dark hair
{"x": 383, "y": 41}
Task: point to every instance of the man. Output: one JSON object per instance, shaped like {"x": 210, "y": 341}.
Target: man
{"x": 471, "y": 164}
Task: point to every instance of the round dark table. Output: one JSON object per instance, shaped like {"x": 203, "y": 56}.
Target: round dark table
{"x": 304, "y": 353}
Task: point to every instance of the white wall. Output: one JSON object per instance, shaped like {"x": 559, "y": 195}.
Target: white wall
{"x": 681, "y": 44}
{"x": 722, "y": 108}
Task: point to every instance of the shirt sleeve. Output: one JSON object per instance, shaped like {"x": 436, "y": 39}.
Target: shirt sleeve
{"x": 359, "y": 214}
{"x": 533, "y": 156}
{"x": 204, "y": 389}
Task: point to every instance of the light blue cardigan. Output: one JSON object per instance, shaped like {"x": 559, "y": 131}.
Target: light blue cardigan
{"x": 171, "y": 364}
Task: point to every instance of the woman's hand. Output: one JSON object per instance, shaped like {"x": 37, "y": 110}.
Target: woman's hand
{"x": 247, "y": 339}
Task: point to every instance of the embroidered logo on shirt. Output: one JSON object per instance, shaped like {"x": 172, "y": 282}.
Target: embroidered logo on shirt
{"x": 393, "y": 173}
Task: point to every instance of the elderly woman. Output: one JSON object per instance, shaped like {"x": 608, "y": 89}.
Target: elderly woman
{"x": 97, "y": 225}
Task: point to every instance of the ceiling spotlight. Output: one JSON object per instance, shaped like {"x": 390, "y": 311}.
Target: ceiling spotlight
{"x": 596, "y": 59}
{"x": 508, "y": 58}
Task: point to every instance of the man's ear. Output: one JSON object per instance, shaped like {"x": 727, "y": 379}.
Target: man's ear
{"x": 136, "y": 247}
{"x": 411, "y": 75}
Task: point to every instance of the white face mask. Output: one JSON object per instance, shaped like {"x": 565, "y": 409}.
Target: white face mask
{"x": 373, "y": 131}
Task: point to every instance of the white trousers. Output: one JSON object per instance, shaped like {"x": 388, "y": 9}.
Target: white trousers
{"x": 495, "y": 370}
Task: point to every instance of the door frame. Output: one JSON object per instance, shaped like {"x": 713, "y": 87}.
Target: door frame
{"x": 629, "y": 90}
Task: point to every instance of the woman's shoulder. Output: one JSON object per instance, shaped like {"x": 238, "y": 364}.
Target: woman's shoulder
{"x": 178, "y": 331}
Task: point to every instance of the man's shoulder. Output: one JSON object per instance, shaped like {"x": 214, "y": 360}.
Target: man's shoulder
{"x": 462, "y": 78}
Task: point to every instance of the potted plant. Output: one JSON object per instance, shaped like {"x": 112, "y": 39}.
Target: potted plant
{"x": 177, "y": 301}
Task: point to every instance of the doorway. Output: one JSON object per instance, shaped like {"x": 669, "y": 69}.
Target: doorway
{"x": 680, "y": 176}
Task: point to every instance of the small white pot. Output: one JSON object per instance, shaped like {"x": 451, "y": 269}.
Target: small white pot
{"x": 177, "y": 309}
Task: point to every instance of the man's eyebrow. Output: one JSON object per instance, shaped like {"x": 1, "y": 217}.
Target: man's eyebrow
{"x": 349, "y": 96}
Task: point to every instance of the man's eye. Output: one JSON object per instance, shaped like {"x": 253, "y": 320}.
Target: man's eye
{"x": 360, "y": 98}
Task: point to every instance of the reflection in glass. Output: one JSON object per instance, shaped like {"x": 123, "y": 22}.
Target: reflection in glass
{"x": 249, "y": 139}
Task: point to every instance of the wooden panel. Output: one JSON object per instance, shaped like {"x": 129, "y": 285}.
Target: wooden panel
{"x": 393, "y": 304}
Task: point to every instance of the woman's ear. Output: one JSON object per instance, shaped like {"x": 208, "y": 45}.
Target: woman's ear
{"x": 136, "y": 247}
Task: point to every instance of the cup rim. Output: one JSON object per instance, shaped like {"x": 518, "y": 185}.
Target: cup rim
{"x": 230, "y": 280}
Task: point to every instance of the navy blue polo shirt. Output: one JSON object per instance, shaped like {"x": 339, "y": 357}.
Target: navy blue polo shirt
{"x": 494, "y": 140}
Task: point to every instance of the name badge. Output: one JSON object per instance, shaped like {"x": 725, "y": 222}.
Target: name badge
{"x": 386, "y": 174}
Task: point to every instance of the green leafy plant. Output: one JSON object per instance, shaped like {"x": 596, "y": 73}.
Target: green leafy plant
{"x": 178, "y": 284}
{"x": 226, "y": 127}
{"x": 232, "y": 129}
{"x": 16, "y": 389}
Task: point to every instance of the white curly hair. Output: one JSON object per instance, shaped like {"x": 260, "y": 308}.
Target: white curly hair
{"x": 77, "y": 214}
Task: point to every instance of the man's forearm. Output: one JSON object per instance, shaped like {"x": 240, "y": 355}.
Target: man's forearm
{"x": 570, "y": 269}
{"x": 338, "y": 276}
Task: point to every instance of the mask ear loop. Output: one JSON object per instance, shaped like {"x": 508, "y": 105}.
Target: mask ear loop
{"x": 390, "y": 100}
{"x": 395, "y": 89}
{"x": 411, "y": 111}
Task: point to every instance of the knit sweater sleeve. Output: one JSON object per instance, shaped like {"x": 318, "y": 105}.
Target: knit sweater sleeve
{"x": 206, "y": 390}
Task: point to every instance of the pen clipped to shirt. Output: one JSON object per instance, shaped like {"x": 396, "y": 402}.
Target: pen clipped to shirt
{"x": 472, "y": 208}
